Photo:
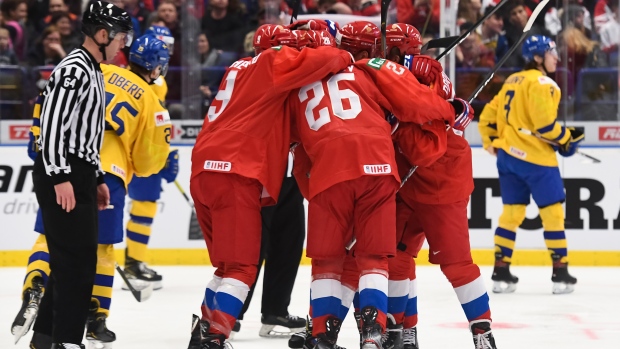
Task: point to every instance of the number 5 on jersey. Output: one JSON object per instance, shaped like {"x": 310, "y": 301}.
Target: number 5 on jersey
{"x": 335, "y": 100}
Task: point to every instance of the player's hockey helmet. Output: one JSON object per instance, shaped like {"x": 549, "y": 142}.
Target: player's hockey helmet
{"x": 162, "y": 33}
{"x": 537, "y": 45}
{"x": 149, "y": 52}
{"x": 318, "y": 38}
{"x": 270, "y": 35}
{"x": 103, "y": 15}
{"x": 316, "y": 24}
{"x": 360, "y": 36}
{"x": 405, "y": 37}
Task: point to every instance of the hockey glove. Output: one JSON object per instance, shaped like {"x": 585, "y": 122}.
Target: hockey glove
{"x": 464, "y": 114}
{"x": 171, "y": 170}
{"x": 426, "y": 69}
{"x": 570, "y": 148}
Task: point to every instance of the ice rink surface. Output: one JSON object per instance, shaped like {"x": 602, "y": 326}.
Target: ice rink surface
{"x": 531, "y": 318}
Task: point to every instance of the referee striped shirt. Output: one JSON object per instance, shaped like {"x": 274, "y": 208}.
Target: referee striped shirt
{"x": 72, "y": 114}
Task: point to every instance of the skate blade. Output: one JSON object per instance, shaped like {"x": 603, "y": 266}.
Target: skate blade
{"x": 19, "y": 331}
{"x": 142, "y": 284}
{"x": 562, "y": 288}
{"x": 94, "y": 344}
{"x": 276, "y": 331}
{"x": 371, "y": 345}
{"x": 504, "y": 287}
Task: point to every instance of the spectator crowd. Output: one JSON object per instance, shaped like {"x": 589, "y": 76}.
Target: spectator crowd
{"x": 211, "y": 34}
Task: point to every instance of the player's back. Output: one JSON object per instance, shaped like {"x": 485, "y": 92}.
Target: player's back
{"x": 447, "y": 180}
{"x": 138, "y": 127}
{"x": 343, "y": 129}
{"x": 528, "y": 100}
{"x": 246, "y": 130}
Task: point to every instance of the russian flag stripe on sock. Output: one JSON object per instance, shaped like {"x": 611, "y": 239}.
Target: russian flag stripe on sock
{"x": 398, "y": 295}
{"x": 373, "y": 291}
{"x": 473, "y": 298}
{"x": 325, "y": 297}
{"x": 347, "y": 299}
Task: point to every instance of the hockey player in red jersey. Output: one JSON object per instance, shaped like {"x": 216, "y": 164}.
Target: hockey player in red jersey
{"x": 238, "y": 163}
{"x": 433, "y": 204}
{"x": 352, "y": 179}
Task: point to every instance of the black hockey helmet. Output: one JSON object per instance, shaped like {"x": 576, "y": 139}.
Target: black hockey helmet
{"x": 103, "y": 15}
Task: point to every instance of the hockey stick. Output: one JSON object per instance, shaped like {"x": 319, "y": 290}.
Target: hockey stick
{"x": 501, "y": 62}
{"x": 384, "y": 9}
{"x": 477, "y": 24}
{"x": 441, "y": 42}
{"x": 548, "y": 141}
{"x": 195, "y": 233}
{"x": 296, "y": 6}
{"x": 141, "y": 294}
{"x": 407, "y": 176}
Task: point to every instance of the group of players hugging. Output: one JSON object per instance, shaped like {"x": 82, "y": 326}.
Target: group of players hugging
{"x": 359, "y": 123}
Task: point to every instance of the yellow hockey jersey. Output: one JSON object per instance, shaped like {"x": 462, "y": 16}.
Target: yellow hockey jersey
{"x": 161, "y": 88}
{"x": 528, "y": 100}
{"x": 137, "y": 137}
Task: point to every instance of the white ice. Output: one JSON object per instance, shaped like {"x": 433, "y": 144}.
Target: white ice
{"x": 531, "y": 318}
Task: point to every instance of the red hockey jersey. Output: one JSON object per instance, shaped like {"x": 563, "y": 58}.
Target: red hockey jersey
{"x": 246, "y": 130}
{"x": 341, "y": 124}
{"x": 447, "y": 180}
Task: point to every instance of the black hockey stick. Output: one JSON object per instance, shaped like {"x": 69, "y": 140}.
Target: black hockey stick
{"x": 477, "y": 24}
{"x": 407, "y": 176}
{"x": 384, "y": 9}
{"x": 195, "y": 233}
{"x": 296, "y": 6}
{"x": 441, "y": 42}
{"x": 548, "y": 141}
{"x": 517, "y": 45}
{"x": 141, "y": 294}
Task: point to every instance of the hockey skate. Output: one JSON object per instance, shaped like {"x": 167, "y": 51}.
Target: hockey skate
{"x": 292, "y": 322}
{"x": 68, "y": 346}
{"x": 202, "y": 339}
{"x": 138, "y": 273}
{"x": 328, "y": 339}
{"x": 483, "y": 337}
{"x": 503, "y": 280}
{"x": 97, "y": 333}
{"x": 563, "y": 282}
{"x": 299, "y": 339}
{"x": 410, "y": 338}
{"x": 371, "y": 330}
{"x": 393, "y": 336}
{"x": 29, "y": 310}
{"x": 235, "y": 330}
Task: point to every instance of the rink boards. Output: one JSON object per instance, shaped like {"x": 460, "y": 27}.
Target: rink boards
{"x": 592, "y": 213}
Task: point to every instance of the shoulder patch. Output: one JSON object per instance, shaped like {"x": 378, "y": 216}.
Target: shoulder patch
{"x": 162, "y": 118}
{"x": 544, "y": 80}
{"x": 376, "y": 63}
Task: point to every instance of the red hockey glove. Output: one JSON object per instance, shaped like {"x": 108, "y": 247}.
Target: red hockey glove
{"x": 464, "y": 114}
{"x": 426, "y": 69}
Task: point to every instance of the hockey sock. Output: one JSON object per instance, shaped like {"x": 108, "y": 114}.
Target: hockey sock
{"x": 398, "y": 285}
{"x": 349, "y": 280}
{"x": 505, "y": 234}
{"x": 102, "y": 289}
{"x": 373, "y": 286}
{"x": 555, "y": 238}
{"x": 325, "y": 292}
{"x": 469, "y": 288}
{"x": 139, "y": 228}
{"x": 208, "y": 302}
{"x": 411, "y": 312}
{"x": 38, "y": 263}
{"x": 227, "y": 304}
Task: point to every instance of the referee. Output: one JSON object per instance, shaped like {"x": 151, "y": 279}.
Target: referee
{"x": 67, "y": 175}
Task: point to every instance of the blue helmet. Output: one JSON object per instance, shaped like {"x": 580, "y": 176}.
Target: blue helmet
{"x": 149, "y": 53}
{"x": 536, "y": 45}
{"x": 162, "y": 33}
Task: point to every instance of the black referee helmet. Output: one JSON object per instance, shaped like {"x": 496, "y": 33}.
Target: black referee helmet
{"x": 103, "y": 15}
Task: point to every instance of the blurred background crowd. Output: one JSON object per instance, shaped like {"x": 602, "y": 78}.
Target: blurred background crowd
{"x": 211, "y": 34}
